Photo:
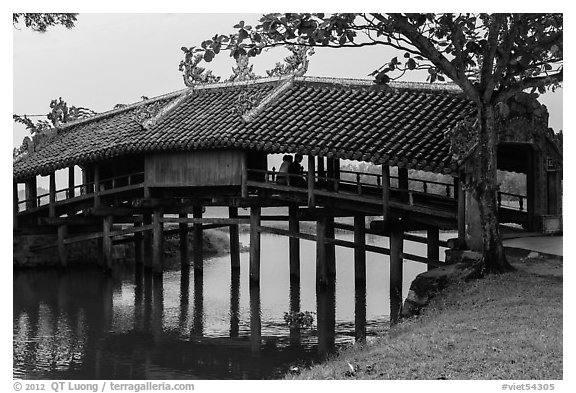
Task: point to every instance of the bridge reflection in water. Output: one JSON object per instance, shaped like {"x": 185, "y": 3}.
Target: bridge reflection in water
{"x": 132, "y": 324}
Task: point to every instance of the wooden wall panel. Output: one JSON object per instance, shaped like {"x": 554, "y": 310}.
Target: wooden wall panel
{"x": 199, "y": 168}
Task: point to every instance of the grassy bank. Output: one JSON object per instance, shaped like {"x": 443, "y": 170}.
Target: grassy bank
{"x": 500, "y": 327}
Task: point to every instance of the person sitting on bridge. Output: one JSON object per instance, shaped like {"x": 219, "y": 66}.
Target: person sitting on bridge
{"x": 283, "y": 171}
{"x": 296, "y": 171}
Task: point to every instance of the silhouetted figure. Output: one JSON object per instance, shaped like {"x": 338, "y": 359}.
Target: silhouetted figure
{"x": 296, "y": 172}
{"x": 283, "y": 171}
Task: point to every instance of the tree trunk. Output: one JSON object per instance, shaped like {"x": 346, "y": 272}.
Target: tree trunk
{"x": 486, "y": 187}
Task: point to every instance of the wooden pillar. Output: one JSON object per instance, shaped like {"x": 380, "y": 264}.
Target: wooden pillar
{"x": 244, "y": 179}
{"x": 360, "y": 311}
{"x": 107, "y": 241}
{"x": 456, "y": 187}
{"x": 330, "y": 173}
{"x": 330, "y": 247}
{"x": 396, "y": 261}
{"x": 311, "y": 181}
{"x": 71, "y": 181}
{"x": 198, "y": 315}
{"x": 403, "y": 182}
{"x": 255, "y": 214}
{"x": 96, "y": 186}
{"x": 432, "y": 244}
{"x": 157, "y": 242}
{"x": 183, "y": 232}
{"x": 359, "y": 252}
{"x": 294, "y": 310}
{"x": 198, "y": 240}
{"x": 461, "y": 214}
{"x": 321, "y": 172}
{"x": 31, "y": 193}
{"x": 15, "y": 205}
{"x": 234, "y": 239}
{"x": 51, "y": 207}
{"x": 533, "y": 171}
{"x": 255, "y": 320}
{"x": 321, "y": 268}
{"x": 235, "y": 303}
{"x": 62, "y": 233}
{"x": 385, "y": 192}
{"x": 337, "y": 174}
{"x": 147, "y": 237}
{"x": 138, "y": 245}
{"x": 294, "y": 243}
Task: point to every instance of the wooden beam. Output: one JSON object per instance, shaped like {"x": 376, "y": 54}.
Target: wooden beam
{"x": 157, "y": 242}
{"x": 107, "y": 241}
{"x": 294, "y": 243}
{"x": 183, "y": 233}
{"x": 433, "y": 251}
{"x": 198, "y": 242}
{"x": 234, "y": 239}
{"x": 311, "y": 181}
{"x": 198, "y": 219}
{"x": 255, "y": 244}
{"x": 396, "y": 261}
{"x": 52, "y": 187}
{"x": 359, "y": 252}
{"x": 62, "y": 233}
{"x": 385, "y": 192}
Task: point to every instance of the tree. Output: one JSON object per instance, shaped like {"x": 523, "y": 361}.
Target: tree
{"x": 41, "y": 22}
{"x": 491, "y": 57}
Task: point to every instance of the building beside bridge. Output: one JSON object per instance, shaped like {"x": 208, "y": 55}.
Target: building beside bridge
{"x": 209, "y": 145}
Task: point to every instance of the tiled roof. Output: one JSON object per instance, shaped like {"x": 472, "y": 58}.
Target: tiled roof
{"x": 402, "y": 124}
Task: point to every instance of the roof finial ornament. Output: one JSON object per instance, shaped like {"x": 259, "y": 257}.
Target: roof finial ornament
{"x": 193, "y": 74}
{"x": 296, "y": 64}
{"x": 242, "y": 71}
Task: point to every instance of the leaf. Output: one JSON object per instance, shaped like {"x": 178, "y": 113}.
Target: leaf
{"x": 208, "y": 56}
{"x": 411, "y": 63}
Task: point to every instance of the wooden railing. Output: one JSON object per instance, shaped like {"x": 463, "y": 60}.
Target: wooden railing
{"x": 360, "y": 182}
{"x": 83, "y": 189}
{"x": 511, "y": 201}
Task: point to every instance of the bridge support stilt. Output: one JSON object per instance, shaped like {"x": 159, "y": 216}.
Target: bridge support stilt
{"x": 396, "y": 261}
{"x": 255, "y": 214}
{"x": 147, "y": 238}
{"x": 157, "y": 242}
{"x": 107, "y": 241}
{"x": 432, "y": 240}
{"x": 294, "y": 248}
{"x": 321, "y": 268}
{"x": 138, "y": 245}
{"x": 330, "y": 247}
{"x": 62, "y": 253}
{"x": 255, "y": 320}
{"x": 183, "y": 232}
{"x": 234, "y": 239}
{"x": 360, "y": 250}
{"x": 198, "y": 241}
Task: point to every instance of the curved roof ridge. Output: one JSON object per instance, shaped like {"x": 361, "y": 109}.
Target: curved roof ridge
{"x": 126, "y": 108}
{"x": 447, "y": 87}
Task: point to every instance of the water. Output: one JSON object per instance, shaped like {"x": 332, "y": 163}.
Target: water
{"x": 85, "y": 324}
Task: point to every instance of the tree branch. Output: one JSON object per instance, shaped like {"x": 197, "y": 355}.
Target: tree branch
{"x": 524, "y": 84}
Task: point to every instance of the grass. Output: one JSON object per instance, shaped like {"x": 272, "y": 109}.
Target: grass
{"x": 501, "y": 327}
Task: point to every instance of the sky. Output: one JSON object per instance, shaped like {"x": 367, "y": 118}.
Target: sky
{"x": 109, "y": 59}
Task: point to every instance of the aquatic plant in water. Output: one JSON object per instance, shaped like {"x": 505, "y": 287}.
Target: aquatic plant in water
{"x": 300, "y": 320}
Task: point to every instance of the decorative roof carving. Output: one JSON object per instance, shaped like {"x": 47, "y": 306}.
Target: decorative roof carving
{"x": 243, "y": 70}
{"x": 193, "y": 74}
{"x": 295, "y": 64}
